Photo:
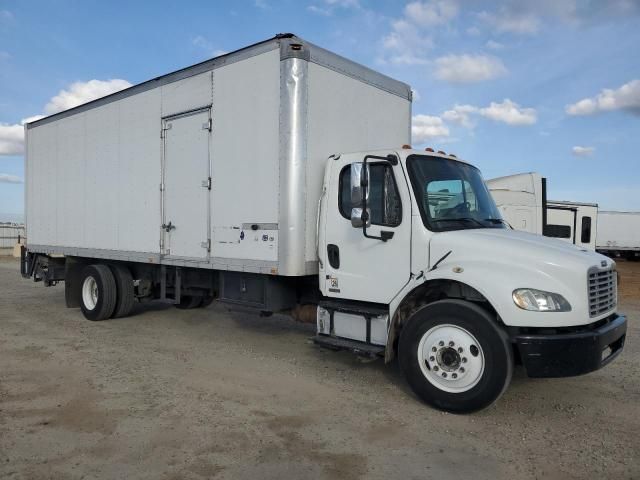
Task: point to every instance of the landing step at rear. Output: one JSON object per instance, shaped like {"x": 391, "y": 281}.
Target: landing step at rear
{"x": 359, "y": 348}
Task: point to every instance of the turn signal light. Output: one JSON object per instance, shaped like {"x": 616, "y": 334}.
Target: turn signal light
{"x": 441, "y": 152}
{"x": 429, "y": 149}
{"x": 406, "y": 147}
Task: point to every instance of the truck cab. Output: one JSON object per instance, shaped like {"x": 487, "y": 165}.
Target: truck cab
{"x": 416, "y": 261}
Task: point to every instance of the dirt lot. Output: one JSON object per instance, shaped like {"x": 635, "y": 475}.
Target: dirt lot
{"x": 170, "y": 394}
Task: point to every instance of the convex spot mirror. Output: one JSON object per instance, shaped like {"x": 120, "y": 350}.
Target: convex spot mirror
{"x": 358, "y": 217}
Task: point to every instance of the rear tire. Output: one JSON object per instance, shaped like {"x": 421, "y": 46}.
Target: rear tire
{"x": 98, "y": 292}
{"x": 455, "y": 357}
{"x": 125, "y": 297}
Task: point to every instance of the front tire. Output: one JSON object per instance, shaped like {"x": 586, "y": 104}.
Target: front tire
{"x": 98, "y": 292}
{"x": 455, "y": 357}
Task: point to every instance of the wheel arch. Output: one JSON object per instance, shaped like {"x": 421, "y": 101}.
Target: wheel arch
{"x": 429, "y": 292}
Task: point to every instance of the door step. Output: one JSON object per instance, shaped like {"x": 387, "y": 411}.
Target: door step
{"x": 359, "y": 348}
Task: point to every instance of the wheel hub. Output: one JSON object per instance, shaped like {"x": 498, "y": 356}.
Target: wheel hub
{"x": 452, "y": 358}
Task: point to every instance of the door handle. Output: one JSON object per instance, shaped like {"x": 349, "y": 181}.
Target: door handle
{"x": 333, "y": 254}
{"x": 168, "y": 227}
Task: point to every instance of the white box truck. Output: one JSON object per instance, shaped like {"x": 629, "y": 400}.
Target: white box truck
{"x": 276, "y": 177}
{"x": 619, "y": 234}
{"x": 522, "y": 201}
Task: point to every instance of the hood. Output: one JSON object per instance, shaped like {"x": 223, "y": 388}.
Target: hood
{"x": 507, "y": 246}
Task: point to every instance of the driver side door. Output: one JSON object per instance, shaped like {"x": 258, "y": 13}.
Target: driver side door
{"x": 356, "y": 267}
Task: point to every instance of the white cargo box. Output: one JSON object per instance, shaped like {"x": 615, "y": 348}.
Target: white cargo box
{"x": 219, "y": 165}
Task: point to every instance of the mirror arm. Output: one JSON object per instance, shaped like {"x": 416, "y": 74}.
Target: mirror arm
{"x": 364, "y": 183}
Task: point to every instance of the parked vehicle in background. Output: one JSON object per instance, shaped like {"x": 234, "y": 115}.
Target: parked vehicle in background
{"x": 522, "y": 201}
{"x": 619, "y": 234}
{"x": 276, "y": 177}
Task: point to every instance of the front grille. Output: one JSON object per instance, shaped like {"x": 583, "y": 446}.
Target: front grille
{"x": 603, "y": 291}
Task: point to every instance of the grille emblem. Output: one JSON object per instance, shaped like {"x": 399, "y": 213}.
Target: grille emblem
{"x": 603, "y": 263}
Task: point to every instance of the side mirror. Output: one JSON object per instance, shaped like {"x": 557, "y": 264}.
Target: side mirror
{"x": 358, "y": 218}
{"x": 359, "y": 188}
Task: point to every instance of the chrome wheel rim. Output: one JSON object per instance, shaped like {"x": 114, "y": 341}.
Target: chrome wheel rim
{"x": 90, "y": 293}
{"x": 451, "y": 358}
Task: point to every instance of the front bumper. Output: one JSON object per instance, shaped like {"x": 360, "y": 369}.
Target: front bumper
{"x": 571, "y": 354}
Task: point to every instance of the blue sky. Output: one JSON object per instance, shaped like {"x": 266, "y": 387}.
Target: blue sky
{"x": 550, "y": 85}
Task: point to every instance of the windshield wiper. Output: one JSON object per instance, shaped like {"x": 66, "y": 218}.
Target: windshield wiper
{"x": 495, "y": 221}
{"x": 462, "y": 219}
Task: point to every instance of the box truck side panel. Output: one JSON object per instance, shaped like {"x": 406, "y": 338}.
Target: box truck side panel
{"x": 190, "y": 93}
{"x": 345, "y": 115}
{"x": 519, "y": 199}
{"x": 245, "y": 162}
{"x": 139, "y": 173}
{"x": 94, "y": 178}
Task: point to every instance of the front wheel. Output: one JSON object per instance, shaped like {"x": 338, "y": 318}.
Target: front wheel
{"x": 455, "y": 357}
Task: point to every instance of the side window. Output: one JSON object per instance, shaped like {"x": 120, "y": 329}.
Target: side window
{"x": 585, "y": 234}
{"x": 557, "y": 231}
{"x": 383, "y": 201}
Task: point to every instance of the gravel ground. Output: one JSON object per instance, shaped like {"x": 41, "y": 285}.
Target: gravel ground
{"x": 168, "y": 394}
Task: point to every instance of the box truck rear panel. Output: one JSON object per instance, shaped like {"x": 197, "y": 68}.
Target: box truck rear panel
{"x": 219, "y": 165}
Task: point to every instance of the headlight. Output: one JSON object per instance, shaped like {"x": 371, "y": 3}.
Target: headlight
{"x": 540, "y": 301}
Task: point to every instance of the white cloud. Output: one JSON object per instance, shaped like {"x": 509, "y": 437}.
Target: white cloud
{"x": 430, "y": 13}
{"x": 11, "y": 139}
{"x": 627, "y": 98}
{"x": 493, "y": 45}
{"x": 6, "y": 178}
{"x": 461, "y": 115}
{"x": 83, "y": 92}
{"x": 262, "y": 4}
{"x": 410, "y": 37}
{"x": 508, "y": 21}
{"x": 583, "y": 151}
{"x": 406, "y": 44}
{"x": 326, "y": 7}
{"x": 426, "y": 127}
{"x": 510, "y": 113}
{"x": 201, "y": 42}
{"x": 469, "y": 68}
{"x": 12, "y": 135}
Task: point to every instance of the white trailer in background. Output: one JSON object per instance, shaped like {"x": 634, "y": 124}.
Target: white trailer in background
{"x": 522, "y": 201}
{"x": 276, "y": 177}
{"x": 619, "y": 234}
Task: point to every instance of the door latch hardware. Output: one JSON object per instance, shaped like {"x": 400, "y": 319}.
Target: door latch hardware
{"x": 168, "y": 227}
{"x": 206, "y": 245}
{"x": 207, "y": 183}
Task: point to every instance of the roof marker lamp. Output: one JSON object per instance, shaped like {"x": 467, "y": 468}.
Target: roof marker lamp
{"x": 540, "y": 301}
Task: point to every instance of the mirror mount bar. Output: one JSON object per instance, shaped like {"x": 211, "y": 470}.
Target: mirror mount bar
{"x": 364, "y": 180}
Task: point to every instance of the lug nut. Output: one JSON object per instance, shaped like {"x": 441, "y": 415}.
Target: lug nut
{"x": 444, "y": 375}
{"x": 441, "y": 343}
{"x": 434, "y": 349}
{"x": 464, "y": 359}
{"x": 451, "y": 344}
{"x": 459, "y": 349}
{"x": 431, "y": 359}
{"x": 461, "y": 369}
{"x": 454, "y": 375}
{"x": 435, "y": 368}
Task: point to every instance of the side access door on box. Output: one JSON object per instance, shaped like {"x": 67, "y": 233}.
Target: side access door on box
{"x": 186, "y": 185}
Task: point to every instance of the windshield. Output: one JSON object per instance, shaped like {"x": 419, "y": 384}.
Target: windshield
{"x": 451, "y": 195}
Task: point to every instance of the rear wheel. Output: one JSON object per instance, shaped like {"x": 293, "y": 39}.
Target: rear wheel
{"x": 455, "y": 357}
{"x": 98, "y": 292}
{"x": 125, "y": 297}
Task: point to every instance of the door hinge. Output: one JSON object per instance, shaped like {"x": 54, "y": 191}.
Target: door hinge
{"x": 166, "y": 127}
{"x": 208, "y": 125}
{"x": 207, "y": 183}
{"x": 162, "y": 187}
{"x": 206, "y": 245}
